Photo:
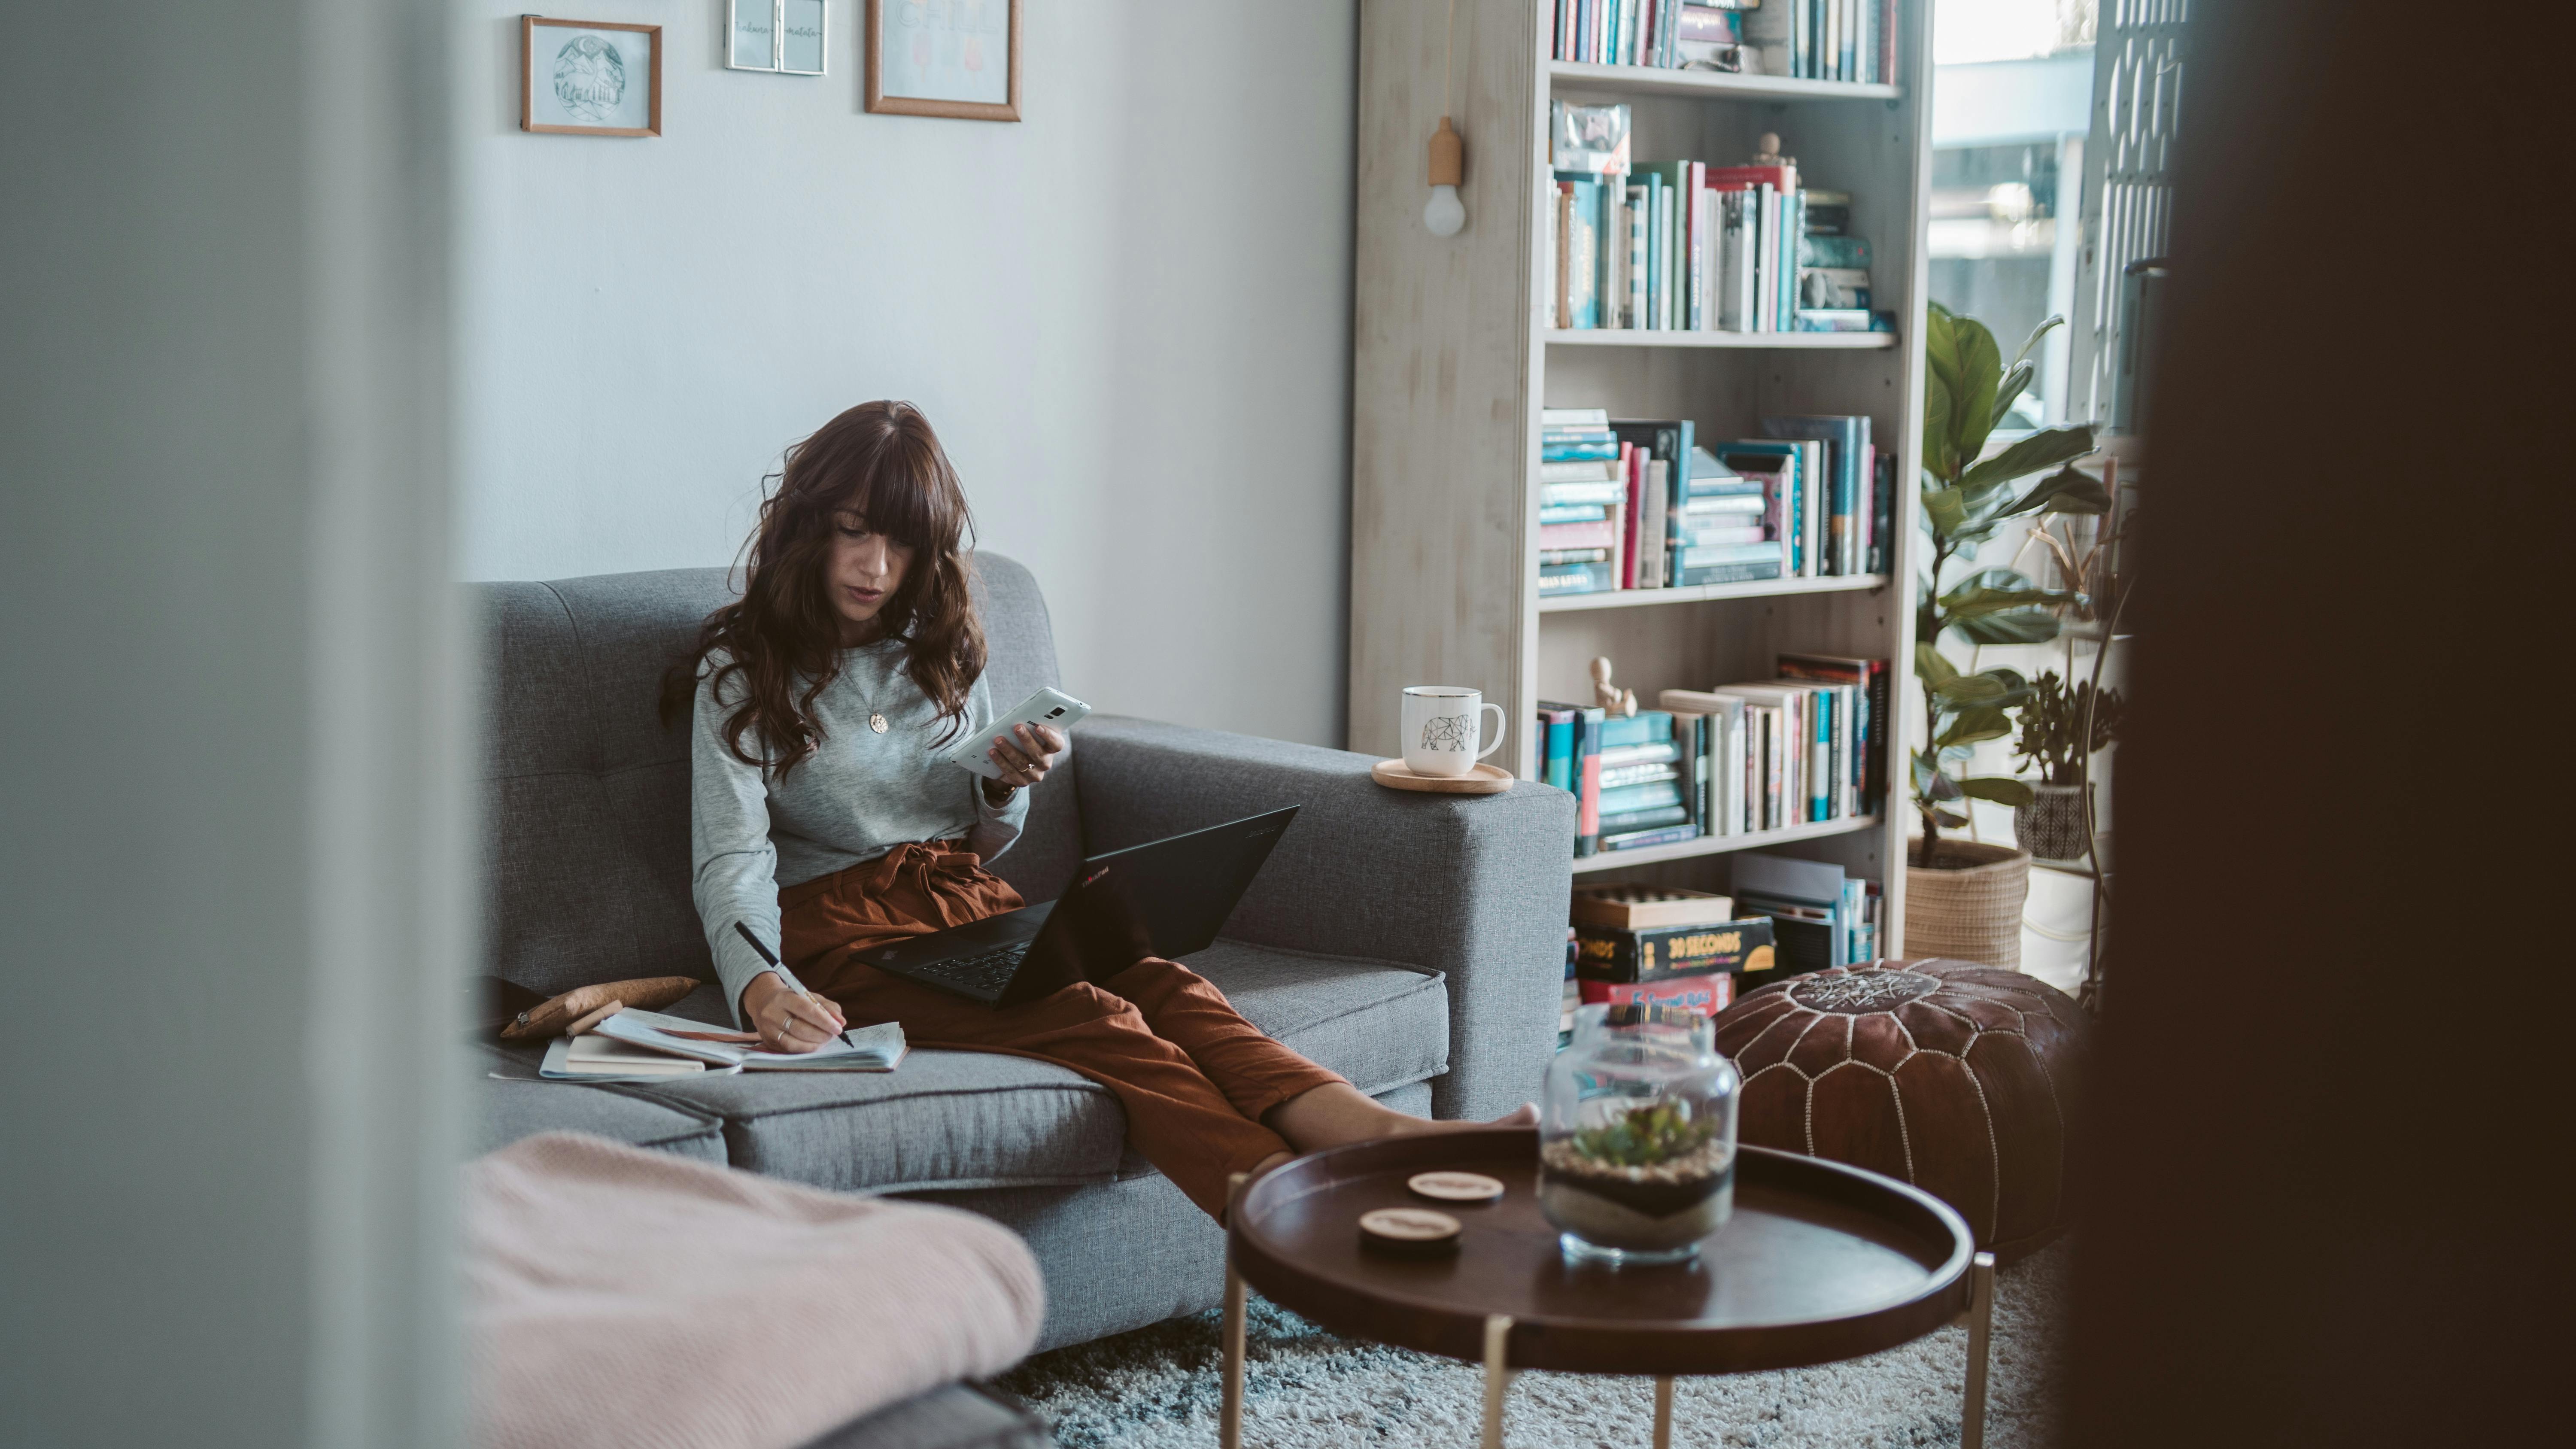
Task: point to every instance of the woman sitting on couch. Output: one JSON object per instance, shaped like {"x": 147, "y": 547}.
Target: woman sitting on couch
{"x": 822, "y": 818}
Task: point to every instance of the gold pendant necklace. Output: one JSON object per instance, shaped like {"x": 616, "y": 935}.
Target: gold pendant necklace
{"x": 876, "y": 717}
{"x": 877, "y": 722}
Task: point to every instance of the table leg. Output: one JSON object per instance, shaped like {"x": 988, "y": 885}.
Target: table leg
{"x": 1229, "y": 1423}
{"x": 1664, "y": 1412}
{"x": 1981, "y": 1327}
{"x": 1498, "y": 1375}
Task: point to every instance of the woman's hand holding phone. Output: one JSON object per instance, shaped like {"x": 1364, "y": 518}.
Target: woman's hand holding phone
{"x": 1024, "y": 755}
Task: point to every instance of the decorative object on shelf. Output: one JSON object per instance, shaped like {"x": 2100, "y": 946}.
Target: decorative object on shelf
{"x": 1956, "y": 1078}
{"x": 784, "y": 37}
{"x": 1444, "y": 215}
{"x": 2056, "y": 823}
{"x": 589, "y": 78}
{"x": 1967, "y": 390}
{"x": 959, "y": 59}
{"x": 1766, "y": 152}
{"x": 1637, "y": 1138}
{"x": 1621, "y": 702}
{"x": 1482, "y": 780}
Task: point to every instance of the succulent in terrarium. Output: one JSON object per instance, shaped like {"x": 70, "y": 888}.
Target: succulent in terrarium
{"x": 1647, "y": 1135}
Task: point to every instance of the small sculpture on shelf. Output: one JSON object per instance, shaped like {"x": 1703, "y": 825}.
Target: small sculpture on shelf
{"x": 1621, "y": 702}
{"x": 1767, "y": 152}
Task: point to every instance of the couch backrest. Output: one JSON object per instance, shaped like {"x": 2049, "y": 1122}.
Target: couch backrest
{"x": 587, "y": 793}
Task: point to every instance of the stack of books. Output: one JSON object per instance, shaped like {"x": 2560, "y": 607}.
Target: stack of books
{"x": 1845, "y": 40}
{"x": 1629, "y": 504}
{"x": 1584, "y": 495}
{"x": 1819, "y": 916}
{"x": 1687, "y": 246}
{"x": 1673, "y": 947}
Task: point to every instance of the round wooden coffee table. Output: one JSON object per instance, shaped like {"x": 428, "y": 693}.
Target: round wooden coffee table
{"x": 1820, "y": 1262}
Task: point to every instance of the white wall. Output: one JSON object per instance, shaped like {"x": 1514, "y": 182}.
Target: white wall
{"x": 1127, "y": 315}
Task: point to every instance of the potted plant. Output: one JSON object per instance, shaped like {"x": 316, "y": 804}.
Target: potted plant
{"x": 1964, "y": 898}
{"x": 2055, "y": 823}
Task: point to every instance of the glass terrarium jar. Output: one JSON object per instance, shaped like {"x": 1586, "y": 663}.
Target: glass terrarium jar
{"x": 1637, "y": 1142}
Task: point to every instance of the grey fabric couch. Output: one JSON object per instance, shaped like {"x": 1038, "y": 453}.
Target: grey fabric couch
{"x": 1413, "y": 943}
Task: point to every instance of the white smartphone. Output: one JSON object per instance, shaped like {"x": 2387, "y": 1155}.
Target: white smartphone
{"x": 1051, "y": 707}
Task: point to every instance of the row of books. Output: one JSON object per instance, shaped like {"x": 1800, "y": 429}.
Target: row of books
{"x": 1806, "y": 747}
{"x": 1687, "y": 246}
{"x": 1632, "y": 504}
{"x": 1699, "y": 950}
{"x": 1845, "y": 40}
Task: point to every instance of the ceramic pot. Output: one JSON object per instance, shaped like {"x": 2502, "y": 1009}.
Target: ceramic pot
{"x": 1967, "y": 904}
{"x": 2051, "y": 826}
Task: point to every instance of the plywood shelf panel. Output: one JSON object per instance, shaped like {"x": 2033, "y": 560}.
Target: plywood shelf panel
{"x": 1724, "y": 844}
{"x": 1750, "y": 341}
{"x": 1642, "y": 80}
{"x": 1755, "y": 589}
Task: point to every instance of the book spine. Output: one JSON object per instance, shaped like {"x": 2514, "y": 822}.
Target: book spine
{"x": 1633, "y": 517}
{"x": 1559, "y": 767}
{"x": 1636, "y": 256}
{"x": 1575, "y": 535}
{"x": 1561, "y": 268}
{"x": 1587, "y": 763}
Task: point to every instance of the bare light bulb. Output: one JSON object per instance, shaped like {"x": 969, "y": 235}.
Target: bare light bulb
{"x": 1444, "y": 213}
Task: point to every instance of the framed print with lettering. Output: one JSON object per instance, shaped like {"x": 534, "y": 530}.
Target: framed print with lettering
{"x": 787, "y": 37}
{"x": 954, "y": 58}
{"x": 590, "y": 77}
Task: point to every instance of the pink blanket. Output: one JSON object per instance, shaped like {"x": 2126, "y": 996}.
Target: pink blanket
{"x": 629, "y": 1298}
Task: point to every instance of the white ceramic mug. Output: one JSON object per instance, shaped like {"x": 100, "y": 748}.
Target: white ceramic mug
{"x": 1442, "y": 726}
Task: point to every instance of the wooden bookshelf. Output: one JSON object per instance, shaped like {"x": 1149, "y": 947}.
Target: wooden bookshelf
{"x": 1747, "y": 341}
{"x": 1453, "y": 358}
{"x": 1723, "y": 844}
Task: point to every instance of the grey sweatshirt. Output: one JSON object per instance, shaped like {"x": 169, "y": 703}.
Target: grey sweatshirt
{"x": 860, "y": 795}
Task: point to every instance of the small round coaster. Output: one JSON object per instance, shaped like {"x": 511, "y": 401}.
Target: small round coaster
{"x": 1456, "y": 1186}
{"x": 1409, "y": 1230}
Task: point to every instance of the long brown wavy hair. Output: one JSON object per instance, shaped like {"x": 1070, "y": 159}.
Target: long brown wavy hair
{"x": 783, "y": 636}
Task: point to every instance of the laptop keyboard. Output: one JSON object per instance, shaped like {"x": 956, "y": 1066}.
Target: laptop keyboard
{"x": 982, "y": 974}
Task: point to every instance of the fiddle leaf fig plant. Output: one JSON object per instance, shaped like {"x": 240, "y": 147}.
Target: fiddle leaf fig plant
{"x": 1967, "y": 389}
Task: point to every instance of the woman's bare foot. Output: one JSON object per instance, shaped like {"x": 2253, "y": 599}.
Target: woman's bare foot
{"x": 1333, "y": 1115}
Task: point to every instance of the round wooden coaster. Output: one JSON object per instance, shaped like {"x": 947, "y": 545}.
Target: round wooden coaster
{"x": 1409, "y": 1230}
{"x": 1482, "y": 780}
{"x": 1456, "y": 1186}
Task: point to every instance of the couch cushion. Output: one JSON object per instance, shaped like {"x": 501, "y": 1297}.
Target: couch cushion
{"x": 951, "y": 1120}
{"x": 504, "y": 1111}
{"x": 587, "y": 792}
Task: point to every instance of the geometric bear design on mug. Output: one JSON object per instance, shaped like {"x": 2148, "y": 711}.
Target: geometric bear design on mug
{"x": 1446, "y": 732}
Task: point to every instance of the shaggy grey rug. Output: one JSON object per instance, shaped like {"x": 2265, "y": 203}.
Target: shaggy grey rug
{"x": 1157, "y": 1388}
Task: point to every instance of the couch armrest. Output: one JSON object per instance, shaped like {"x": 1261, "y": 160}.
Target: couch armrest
{"x": 1475, "y": 886}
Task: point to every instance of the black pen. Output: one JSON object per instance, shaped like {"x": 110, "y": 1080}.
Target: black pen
{"x": 774, "y": 963}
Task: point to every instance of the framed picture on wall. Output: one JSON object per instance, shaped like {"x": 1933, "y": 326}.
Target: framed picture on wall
{"x": 955, "y": 58}
{"x": 787, "y": 37}
{"x": 590, "y": 77}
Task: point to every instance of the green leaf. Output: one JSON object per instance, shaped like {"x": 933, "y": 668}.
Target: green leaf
{"x": 1944, "y": 509}
{"x": 1970, "y": 601}
{"x": 1955, "y": 754}
{"x": 2031, "y": 627}
{"x": 2014, "y": 381}
{"x": 1950, "y": 818}
{"x": 1930, "y": 667}
{"x": 1941, "y": 787}
{"x": 2044, "y": 449}
{"x": 2036, "y": 333}
{"x": 1972, "y": 397}
{"x": 2068, "y": 490}
{"x": 1940, "y": 449}
{"x": 1972, "y": 726}
{"x": 1962, "y": 691}
{"x": 2001, "y": 789}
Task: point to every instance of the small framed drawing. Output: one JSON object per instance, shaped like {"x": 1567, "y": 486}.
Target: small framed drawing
{"x": 788, "y": 37}
{"x": 590, "y": 78}
{"x": 955, "y": 58}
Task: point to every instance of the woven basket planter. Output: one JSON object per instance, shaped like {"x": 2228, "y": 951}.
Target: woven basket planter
{"x": 1968, "y": 908}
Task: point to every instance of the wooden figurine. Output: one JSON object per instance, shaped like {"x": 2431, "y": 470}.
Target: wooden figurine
{"x": 1768, "y": 152}
{"x": 1621, "y": 702}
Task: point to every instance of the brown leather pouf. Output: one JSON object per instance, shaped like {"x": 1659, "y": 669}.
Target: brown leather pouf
{"x": 1957, "y": 1078}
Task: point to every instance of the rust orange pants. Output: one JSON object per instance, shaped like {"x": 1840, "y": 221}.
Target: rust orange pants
{"x": 1194, "y": 1076}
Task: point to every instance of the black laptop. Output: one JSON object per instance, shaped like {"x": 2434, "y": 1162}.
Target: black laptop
{"x": 1166, "y": 898}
